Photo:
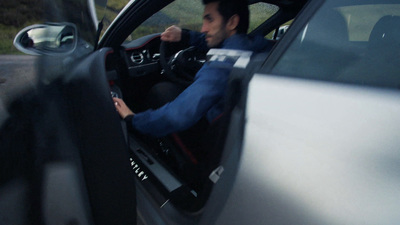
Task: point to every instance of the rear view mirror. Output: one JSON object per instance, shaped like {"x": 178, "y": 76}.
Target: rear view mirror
{"x": 47, "y": 39}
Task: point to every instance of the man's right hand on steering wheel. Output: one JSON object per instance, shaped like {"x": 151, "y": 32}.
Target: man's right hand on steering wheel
{"x": 172, "y": 34}
{"x": 178, "y": 62}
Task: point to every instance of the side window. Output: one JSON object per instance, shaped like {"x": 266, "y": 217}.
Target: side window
{"x": 260, "y": 12}
{"x": 110, "y": 12}
{"x": 188, "y": 14}
{"x": 347, "y": 43}
{"x": 183, "y": 13}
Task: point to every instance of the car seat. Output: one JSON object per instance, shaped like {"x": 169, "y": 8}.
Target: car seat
{"x": 321, "y": 45}
{"x": 384, "y": 40}
{"x": 382, "y": 56}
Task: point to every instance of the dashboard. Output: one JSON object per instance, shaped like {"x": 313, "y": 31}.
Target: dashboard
{"x": 134, "y": 69}
{"x": 143, "y": 55}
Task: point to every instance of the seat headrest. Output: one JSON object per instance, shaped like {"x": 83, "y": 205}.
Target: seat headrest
{"x": 386, "y": 31}
{"x": 336, "y": 32}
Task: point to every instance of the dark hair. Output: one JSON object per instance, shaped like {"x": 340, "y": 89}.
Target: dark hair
{"x": 228, "y": 8}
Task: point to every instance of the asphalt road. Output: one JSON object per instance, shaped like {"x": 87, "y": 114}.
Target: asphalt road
{"x": 17, "y": 75}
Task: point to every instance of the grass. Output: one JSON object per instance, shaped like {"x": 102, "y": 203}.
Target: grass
{"x": 7, "y": 34}
{"x": 15, "y": 15}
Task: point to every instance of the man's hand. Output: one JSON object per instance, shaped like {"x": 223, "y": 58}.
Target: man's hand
{"x": 172, "y": 34}
{"x": 122, "y": 109}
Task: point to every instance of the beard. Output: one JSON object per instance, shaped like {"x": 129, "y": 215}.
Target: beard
{"x": 215, "y": 40}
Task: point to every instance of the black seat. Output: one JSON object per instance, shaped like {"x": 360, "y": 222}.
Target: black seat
{"x": 383, "y": 53}
{"x": 319, "y": 43}
{"x": 336, "y": 33}
{"x": 384, "y": 39}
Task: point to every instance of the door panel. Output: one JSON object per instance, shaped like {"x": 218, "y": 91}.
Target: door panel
{"x": 318, "y": 153}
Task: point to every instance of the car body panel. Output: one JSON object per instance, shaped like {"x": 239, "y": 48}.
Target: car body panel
{"x": 78, "y": 99}
{"x": 317, "y": 150}
{"x": 317, "y": 153}
{"x": 101, "y": 141}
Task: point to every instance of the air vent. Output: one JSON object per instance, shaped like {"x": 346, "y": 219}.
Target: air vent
{"x": 137, "y": 57}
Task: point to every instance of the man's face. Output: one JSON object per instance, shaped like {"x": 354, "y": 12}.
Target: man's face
{"x": 214, "y": 26}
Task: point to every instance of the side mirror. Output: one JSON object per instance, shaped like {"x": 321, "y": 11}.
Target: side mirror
{"x": 47, "y": 39}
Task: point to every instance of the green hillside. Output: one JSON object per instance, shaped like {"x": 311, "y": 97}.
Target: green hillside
{"x": 15, "y": 15}
{"x": 190, "y": 11}
{"x": 189, "y": 14}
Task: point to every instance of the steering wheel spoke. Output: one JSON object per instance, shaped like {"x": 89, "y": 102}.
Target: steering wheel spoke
{"x": 180, "y": 66}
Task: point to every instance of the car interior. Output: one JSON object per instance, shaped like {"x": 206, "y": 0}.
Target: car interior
{"x": 172, "y": 170}
{"x": 356, "y": 41}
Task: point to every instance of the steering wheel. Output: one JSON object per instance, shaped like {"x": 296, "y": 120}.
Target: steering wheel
{"x": 180, "y": 66}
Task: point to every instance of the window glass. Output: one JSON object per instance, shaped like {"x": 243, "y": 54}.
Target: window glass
{"x": 183, "y": 13}
{"x": 362, "y": 18}
{"x": 278, "y": 34}
{"x": 188, "y": 14}
{"x": 347, "y": 43}
{"x": 110, "y": 12}
{"x": 260, "y": 12}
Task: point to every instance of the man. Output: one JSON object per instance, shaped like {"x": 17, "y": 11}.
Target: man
{"x": 225, "y": 24}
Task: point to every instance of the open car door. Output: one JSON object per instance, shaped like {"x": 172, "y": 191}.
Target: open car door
{"x": 63, "y": 154}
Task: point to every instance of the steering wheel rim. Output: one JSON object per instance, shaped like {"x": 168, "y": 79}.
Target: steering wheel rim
{"x": 167, "y": 59}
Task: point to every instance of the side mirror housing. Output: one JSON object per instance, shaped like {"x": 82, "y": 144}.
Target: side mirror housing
{"x": 47, "y": 39}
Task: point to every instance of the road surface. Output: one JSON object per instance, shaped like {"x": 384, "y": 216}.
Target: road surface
{"x": 17, "y": 75}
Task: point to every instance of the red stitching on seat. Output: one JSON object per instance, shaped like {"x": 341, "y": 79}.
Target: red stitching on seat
{"x": 184, "y": 148}
{"x": 217, "y": 118}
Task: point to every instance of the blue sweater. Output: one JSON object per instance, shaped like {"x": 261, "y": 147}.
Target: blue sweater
{"x": 203, "y": 97}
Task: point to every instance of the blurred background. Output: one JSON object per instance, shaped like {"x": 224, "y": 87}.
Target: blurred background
{"x": 15, "y": 15}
